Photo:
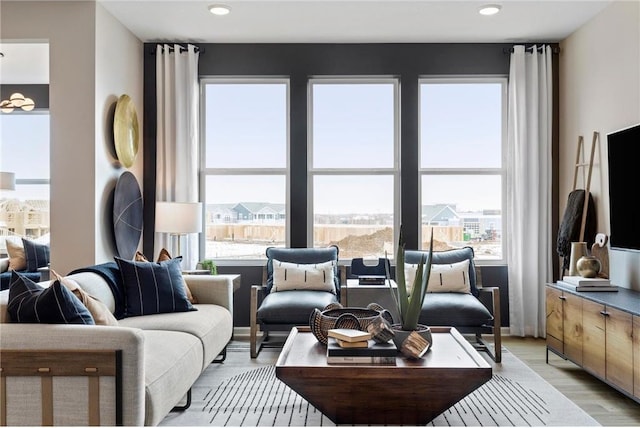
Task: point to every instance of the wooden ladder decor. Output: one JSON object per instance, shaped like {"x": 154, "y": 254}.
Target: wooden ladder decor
{"x": 579, "y": 164}
{"x": 49, "y": 363}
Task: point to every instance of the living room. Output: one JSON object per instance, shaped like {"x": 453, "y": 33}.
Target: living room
{"x": 596, "y": 73}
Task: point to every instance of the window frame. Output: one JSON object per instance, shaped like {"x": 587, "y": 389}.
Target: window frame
{"x": 393, "y": 171}
{"x": 204, "y": 171}
{"x": 475, "y": 171}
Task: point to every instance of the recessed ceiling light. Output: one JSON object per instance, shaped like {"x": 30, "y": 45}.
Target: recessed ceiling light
{"x": 219, "y": 9}
{"x": 490, "y": 9}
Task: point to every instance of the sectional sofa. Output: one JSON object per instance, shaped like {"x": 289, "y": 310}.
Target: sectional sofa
{"x": 160, "y": 356}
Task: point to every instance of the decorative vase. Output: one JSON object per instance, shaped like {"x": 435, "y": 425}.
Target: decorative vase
{"x": 400, "y": 337}
{"x": 588, "y": 266}
{"x": 578, "y": 249}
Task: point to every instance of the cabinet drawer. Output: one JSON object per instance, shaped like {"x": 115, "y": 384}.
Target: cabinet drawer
{"x": 554, "y": 316}
{"x": 636, "y": 356}
{"x": 619, "y": 358}
{"x": 594, "y": 338}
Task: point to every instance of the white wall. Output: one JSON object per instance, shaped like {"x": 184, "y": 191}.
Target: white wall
{"x": 600, "y": 91}
{"x": 80, "y": 171}
{"x": 119, "y": 70}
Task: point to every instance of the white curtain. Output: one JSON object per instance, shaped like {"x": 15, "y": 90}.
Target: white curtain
{"x": 177, "y": 137}
{"x": 529, "y": 255}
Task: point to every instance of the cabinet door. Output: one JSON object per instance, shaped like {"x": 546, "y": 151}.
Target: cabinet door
{"x": 554, "y": 319}
{"x": 636, "y": 356}
{"x": 593, "y": 338}
{"x": 619, "y": 358}
{"x": 572, "y": 327}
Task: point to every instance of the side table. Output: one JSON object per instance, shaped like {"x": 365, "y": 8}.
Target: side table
{"x": 357, "y": 295}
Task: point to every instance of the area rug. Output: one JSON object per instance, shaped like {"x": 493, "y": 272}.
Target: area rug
{"x": 246, "y": 392}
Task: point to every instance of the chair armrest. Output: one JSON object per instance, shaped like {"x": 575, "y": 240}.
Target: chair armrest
{"x": 494, "y": 292}
{"x": 257, "y": 292}
{"x": 211, "y": 289}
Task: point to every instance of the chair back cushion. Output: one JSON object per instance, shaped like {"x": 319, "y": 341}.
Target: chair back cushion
{"x": 448, "y": 257}
{"x": 303, "y": 256}
{"x": 308, "y": 276}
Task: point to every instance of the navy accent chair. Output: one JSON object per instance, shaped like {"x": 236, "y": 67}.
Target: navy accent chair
{"x": 466, "y": 312}
{"x": 282, "y": 310}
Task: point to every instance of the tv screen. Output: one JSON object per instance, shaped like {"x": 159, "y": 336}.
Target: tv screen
{"x": 623, "y": 155}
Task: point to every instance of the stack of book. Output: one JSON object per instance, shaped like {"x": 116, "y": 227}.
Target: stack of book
{"x": 579, "y": 283}
{"x": 350, "y": 346}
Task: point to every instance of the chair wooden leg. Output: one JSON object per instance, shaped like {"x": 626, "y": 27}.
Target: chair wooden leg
{"x": 497, "y": 325}
{"x": 253, "y": 330}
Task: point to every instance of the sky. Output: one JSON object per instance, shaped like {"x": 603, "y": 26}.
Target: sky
{"x": 352, "y": 126}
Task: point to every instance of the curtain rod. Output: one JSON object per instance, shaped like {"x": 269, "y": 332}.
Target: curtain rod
{"x": 555, "y": 50}
{"x": 172, "y": 48}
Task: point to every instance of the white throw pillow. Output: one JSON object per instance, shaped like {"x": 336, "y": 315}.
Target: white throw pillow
{"x": 449, "y": 278}
{"x": 295, "y": 276}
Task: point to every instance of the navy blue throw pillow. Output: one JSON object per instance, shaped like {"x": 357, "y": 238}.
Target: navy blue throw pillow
{"x": 153, "y": 287}
{"x": 32, "y": 303}
{"x": 37, "y": 255}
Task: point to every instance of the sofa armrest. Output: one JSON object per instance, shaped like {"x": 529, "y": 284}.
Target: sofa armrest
{"x": 211, "y": 289}
{"x": 4, "y": 264}
{"x": 66, "y": 337}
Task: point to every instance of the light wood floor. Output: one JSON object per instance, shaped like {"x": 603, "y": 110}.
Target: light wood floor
{"x": 606, "y": 405}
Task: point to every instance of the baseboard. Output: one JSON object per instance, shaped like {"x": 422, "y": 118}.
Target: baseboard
{"x": 241, "y": 332}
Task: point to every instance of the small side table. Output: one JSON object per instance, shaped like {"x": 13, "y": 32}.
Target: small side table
{"x": 196, "y": 272}
{"x": 356, "y": 295}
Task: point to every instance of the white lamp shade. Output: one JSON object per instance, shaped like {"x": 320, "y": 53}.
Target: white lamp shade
{"x": 7, "y": 181}
{"x": 178, "y": 217}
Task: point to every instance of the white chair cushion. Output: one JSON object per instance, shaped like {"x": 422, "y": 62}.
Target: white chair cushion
{"x": 295, "y": 276}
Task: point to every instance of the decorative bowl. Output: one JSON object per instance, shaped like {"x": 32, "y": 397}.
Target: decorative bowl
{"x": 337, "y": 316}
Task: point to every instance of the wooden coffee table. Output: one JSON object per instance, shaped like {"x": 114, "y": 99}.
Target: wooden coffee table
{"x": 412, "y": 392}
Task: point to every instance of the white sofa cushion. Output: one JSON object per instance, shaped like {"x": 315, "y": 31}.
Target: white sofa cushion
{"x": 173, "y": 362}
{"x": 211, "y": 324}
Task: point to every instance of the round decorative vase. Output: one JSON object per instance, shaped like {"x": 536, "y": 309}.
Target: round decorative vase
{"x": 402, "y": 335}
{"x": 337, "y": 316}
{"x": 578, "y": 249}
{"x": 588, "y": 266}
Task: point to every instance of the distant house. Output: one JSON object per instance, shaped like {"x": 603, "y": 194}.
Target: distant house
{"x": 220, "y": 213}
{"x": 440, "y": 215}
{"x": 261, "y": 212}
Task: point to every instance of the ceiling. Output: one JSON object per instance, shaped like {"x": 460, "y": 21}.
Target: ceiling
{"x": 355, "y": 21}
{"x": 323, "y": 21}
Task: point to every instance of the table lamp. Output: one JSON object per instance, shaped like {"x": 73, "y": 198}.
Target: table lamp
{"x": 178, "y": 219}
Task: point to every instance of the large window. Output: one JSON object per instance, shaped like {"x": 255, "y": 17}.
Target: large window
{"x": 245, "y": 166}
{"x": 353, "y": 165}
{"x": 24, "y": 151}
{"x": 462, "y": 133}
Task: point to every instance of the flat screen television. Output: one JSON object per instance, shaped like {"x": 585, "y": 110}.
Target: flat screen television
{"x": 623, "y": 150}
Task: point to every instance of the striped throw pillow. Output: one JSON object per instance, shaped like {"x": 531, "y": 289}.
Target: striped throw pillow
{"x": 37, "y": 255}
{"x": 153, "y": 288}
{"x": 31, "y": 303}
{"x": 298, "y": 276}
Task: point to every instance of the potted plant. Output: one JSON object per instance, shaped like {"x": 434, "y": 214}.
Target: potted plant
{"x": 210, "y": 266}
{"x": 409, "y": 302}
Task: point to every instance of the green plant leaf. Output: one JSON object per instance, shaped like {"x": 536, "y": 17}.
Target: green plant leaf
{"x": 410, "y": 306}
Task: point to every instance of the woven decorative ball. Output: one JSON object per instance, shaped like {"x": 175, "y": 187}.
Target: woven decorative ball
{"x": 336, "y": 316}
